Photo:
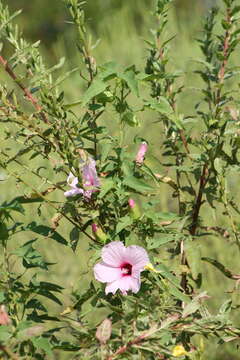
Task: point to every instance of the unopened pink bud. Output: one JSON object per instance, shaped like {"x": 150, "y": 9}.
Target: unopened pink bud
{"x": 94, "y": 228}
{"x": 131, "y": 203}
{"x": 133, "y": 209}
{"x": 98, "y": 233}
{"x": 141, "y": 153}
{"x": 4, "y": 318}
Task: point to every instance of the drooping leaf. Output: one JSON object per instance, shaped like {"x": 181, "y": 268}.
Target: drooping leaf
{"x": 47, "y": 232}
{"x": 219, "y": 266}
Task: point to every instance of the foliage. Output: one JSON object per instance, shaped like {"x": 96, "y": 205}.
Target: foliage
{"x": 46, "y": 137}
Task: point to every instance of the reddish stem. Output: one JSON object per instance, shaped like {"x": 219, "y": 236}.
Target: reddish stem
{"x": 27, "y": 93}
{"x": 124, "y": 348}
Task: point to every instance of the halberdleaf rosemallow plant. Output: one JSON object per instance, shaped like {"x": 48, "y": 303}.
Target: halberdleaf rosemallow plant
{"x": 90, "y": 184}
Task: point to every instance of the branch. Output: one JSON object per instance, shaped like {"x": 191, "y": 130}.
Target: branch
{"x": 198, "y": 203}
{"x": 8, "y": 352}
{"x": 27, "y": 93}
{"x": 124, "y": 348}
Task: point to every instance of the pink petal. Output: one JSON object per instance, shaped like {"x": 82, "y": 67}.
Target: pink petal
{"x": 113, "y": 253}
{"x": 141, "y": 153}
{"x": 73, "y": 192}
{"x": 137, "y": 257}
{"x": 89, "y": 173}
{"x": 124, "y": 284}
{"x": 112, "y": 287}
{"x": 106, "y": 273}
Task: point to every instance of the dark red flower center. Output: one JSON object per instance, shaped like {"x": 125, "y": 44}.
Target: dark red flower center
{"x": 126, "y": 269}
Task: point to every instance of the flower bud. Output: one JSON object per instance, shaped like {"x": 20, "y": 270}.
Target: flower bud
{"x": 4, "y": 318}
{"x": 133, "y": 209}
{"x": 104, "y": 331}
{"x": 98, "y": 233}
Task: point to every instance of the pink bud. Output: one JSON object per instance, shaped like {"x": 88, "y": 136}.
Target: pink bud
{"x": 131, "y": 203}
{"x": 4, "y": 318}
{"x": 141, "y": 153}
{"x": 98, "y": 233}
{"x": 94, "y": 228}
{"x": 134, "y": 209}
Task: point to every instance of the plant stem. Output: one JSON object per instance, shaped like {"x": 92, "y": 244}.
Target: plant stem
{"x": 27, "y": 93}
{"x": 8, "y": 352}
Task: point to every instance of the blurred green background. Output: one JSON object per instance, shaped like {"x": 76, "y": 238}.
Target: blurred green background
{"x": 122, "y": 26}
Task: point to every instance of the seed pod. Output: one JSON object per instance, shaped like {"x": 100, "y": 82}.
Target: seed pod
{"x": 104, "y": 331}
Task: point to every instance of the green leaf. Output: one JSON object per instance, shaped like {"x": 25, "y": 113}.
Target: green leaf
{"x": 154, "y": 243}
{"x": 3, "y": 231}
{"x": 28, "y": 200}
{"x": 74, "y": 237}
{"x": 13, "y": 205}
{"x": 47, "y": 232}
{"x": 193, "y": 254}
{"x": 130, "y": 77}
{"x": 2, "y": 297}
{"x": 168, "y": 216}
{"x": 195, "y": 304}
{"x": 5, "y": 333}
{"x": 178, "y": 294}
{"x": 42, "y": 343}
{"x": 96, "y": 88}
{"x": 163, "y": 270}
{"x": 162, "y": 105}
{"x": 137, "y": 184}
{"x": 106, "y": 186}
{"x": 219, "y": 266}
{"x": 123, "y": 223}
{"x": 130, "y": 118}
{"x": 108, "y": 70}
{"x": 31, "y": 257}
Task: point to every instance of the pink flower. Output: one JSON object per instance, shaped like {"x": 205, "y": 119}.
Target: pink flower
{"x": 89, "y": 177}
{"x": 72, "y": 182}
{"x": 4, "y": 318}
{"x": 141, "y": 153}
{"x": 121, "y": 267}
